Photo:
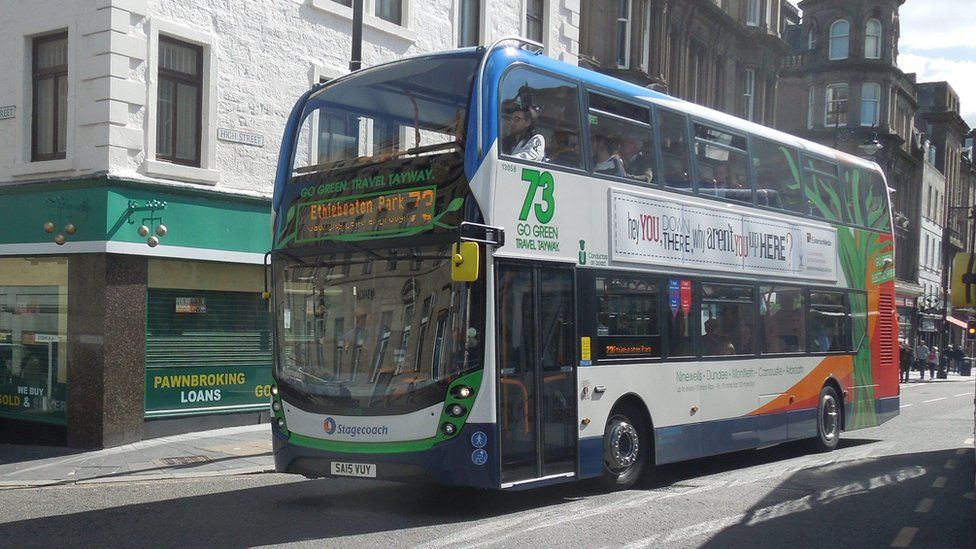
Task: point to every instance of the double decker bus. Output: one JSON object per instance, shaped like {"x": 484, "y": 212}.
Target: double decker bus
{"x": 497, "y": 270}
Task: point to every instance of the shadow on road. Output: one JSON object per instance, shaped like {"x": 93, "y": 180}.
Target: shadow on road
{"x": 326, "y": 510}
{"x": 868, "y": 503}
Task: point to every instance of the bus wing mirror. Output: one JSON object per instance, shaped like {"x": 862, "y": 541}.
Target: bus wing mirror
{"x": 464, "y": 261}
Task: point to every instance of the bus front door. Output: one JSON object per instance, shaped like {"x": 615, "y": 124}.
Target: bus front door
{"x": 537, "y": 372}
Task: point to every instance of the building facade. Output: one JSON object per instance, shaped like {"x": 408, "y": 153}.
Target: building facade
{"x": 138, "y": 143}
{"x": 724, "y": 54}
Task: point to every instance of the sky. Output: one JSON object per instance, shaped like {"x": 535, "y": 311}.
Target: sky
{"x": 938, "y": 43}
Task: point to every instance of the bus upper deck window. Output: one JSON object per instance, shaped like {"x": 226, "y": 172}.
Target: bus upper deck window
{"x": 539, "y": 118}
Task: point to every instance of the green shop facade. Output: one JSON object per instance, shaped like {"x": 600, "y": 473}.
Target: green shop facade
{"x": 130, "y": 310}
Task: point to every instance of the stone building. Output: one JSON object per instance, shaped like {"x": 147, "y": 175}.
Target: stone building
{"x": 945, "y": 132}
{"x": 723, "y": 54}
{"x": 138, "y": 143}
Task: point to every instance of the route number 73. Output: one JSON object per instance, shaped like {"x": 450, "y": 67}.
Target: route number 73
{"x": 545, "y": 209}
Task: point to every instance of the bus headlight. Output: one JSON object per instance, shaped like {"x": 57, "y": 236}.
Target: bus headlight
{"x": 274, "y": 390}
{"x": 281, "y": 422}
{"x": 463, "y": 391}
{"x": 455, "y": 410}
{"x": 276, "y": 406}
{"x": 449, "y": 429}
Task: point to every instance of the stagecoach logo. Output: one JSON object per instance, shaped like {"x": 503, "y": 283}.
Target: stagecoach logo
{"x": 331, "y": 427}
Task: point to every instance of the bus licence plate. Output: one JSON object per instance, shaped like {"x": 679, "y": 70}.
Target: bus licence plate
{"x": 343, "y": 469}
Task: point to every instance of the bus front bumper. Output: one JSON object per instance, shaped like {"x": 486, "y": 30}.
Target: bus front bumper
{"x": 454, "y": 462}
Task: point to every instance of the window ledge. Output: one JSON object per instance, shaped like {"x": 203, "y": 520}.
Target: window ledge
{"x": 182, "y": 173}
{"x": 42, "y": 167}
{"x": 370, "y": 21}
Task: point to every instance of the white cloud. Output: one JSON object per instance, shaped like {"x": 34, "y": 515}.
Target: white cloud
{"x": 961, "y": 75}
{"x": 937, "y": 24}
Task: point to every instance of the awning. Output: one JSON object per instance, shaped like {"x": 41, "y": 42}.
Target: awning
{"x": 957, "y": 322}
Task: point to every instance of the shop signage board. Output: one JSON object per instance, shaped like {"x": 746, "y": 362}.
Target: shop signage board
{"x": 180, "y": 391}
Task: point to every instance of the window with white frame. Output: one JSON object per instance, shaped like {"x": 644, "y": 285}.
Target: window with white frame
{"x": 646, "y": 41}
{"x": 872, "y": 39}
{"x": 835, "y": 113}
{"x": 752, "y": 13}
{"x": 623, "y": 34}
{"x": 389, "y": 10}
{"x": 870, "y": 103}
{"x": 811, "y": 105}
{"x": 812, "y": 37}
{"x": 534, "y": 19}
{"x": 49, "y": 86}
{"x": 748, "y": 93}
{"x": 469, "y": 23}
{"x": 179, "y": 102}
{"x": 840, "y": 33}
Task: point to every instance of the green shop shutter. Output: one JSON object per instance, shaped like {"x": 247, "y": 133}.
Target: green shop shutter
{"x": 206, "y": 352}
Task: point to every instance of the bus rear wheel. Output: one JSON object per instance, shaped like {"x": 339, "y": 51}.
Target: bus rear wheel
{"x": 828, "y": 420}
{"x": 625, "y": 448}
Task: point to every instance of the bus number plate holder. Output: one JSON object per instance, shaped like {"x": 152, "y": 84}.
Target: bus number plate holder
{"x": 345, "y": 469}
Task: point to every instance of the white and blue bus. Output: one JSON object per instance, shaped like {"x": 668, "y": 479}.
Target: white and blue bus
{"x": 494, "y": 269}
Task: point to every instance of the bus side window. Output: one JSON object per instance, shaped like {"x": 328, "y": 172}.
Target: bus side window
{"x": 777, "y": 176}
{"x": 622, "y": 139}
{"x": 866, "y": 197}
{"x": 675, "y": 155}
{"x": 540, "y": 118}
{"x": 784, "y": 327}
{"x": 721, "y": 161}
{"x": 822, "y": 189}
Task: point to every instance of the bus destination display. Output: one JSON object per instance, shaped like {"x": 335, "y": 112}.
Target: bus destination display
{"x": 375, "y": 213}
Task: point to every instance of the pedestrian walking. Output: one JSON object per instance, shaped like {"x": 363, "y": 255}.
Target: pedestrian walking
{"x": 921, "y": 356}
{"x": 905, "y": 359}
{"x": 933, "y": 360}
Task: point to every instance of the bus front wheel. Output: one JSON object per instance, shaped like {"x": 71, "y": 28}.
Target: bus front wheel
{"x": 828, "y": 420}
{"x": 625, "y": 448}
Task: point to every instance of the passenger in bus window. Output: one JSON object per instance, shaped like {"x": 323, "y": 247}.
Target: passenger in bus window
{"x": 715, "y": 342}
{"x": 564, "y": 149}
{"x": 605, "y": 158}
{"x": 637, "y": 161}
{"x": 521, "y": 139}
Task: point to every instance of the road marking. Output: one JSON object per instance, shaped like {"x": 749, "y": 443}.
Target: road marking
{"x": 940, "y": 482}
{"x": 968, "y": 441}
{"x": 925, "y": 505}
{"x": 933, "y": 400}
{"x": 969, "y": 495}
{"x": 951, "y": 464}
{"x": 904, "y": 537}
{"x": 906, "y": 405}
{"x": 963, "y": 394}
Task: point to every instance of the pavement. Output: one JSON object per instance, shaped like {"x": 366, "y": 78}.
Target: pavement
{"x": 230, "y": 451}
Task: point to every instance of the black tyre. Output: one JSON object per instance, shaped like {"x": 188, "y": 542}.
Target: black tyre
{"x": 829, "y": 416}
{"x": 626, "y": 445}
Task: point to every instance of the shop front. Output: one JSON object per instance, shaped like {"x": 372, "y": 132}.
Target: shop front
{"x": 130, "y": 310}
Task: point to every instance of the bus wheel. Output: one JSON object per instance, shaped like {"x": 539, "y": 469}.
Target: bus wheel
{"x": 625, "y": 448}
{"x": 828, "y": 420}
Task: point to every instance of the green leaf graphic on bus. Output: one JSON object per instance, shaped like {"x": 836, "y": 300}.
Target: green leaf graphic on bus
{"x": 538, "y": 181}
{"x": 857, "y": 197}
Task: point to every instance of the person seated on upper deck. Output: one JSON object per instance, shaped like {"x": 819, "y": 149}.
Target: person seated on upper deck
{"x": 605, "y": 159}
{"x": 564, "y": 151}
{"x": 637, "y": 163}
{"x": 521, "y": 139}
